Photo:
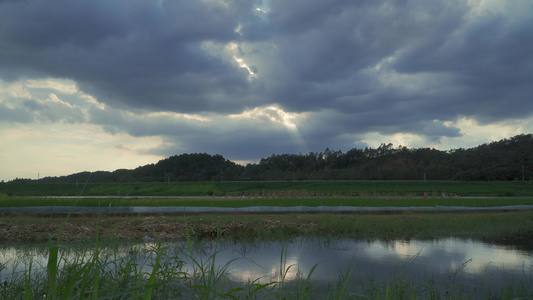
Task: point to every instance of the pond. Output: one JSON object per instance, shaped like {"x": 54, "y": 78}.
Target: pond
{"x": 467, "y": 266}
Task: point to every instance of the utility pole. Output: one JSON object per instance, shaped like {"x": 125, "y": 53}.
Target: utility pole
{"x": 523, "y": 176}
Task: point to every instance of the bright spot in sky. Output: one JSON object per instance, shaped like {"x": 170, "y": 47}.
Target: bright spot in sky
{"x": 272, "y": 113}
{"x": 243, "y": 65}
{"x": 276, "y": 115}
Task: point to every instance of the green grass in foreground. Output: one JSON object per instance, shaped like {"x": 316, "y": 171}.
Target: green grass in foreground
{"x": 247, "y": 202}
{"x": 97, "y": 273}
{"x": 106, "y": 272}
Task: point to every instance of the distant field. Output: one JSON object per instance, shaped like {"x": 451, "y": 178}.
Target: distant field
{"x": 27, "y": 201}
{"x": 277, "y": 189}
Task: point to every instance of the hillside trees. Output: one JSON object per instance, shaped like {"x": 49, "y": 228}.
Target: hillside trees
{"x": 508, "y": 159}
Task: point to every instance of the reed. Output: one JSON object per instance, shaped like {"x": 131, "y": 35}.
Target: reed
{"x": 100, "y": 270}
{"x": 109, "y": 273}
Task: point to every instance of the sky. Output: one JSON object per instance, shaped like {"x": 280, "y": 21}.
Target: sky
{"x": 104, "y": 85}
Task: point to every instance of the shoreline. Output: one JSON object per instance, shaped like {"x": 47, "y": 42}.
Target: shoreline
{"x": 509, "y": 227}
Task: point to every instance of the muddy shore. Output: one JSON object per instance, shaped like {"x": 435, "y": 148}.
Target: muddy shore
{"x": 503, "y": 226}
{"x": 122, "y": 228}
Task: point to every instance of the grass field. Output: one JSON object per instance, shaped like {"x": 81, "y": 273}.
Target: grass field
{"x": 283, "y": 194}
{"x": 273, "y": 189}
{"x": 235, "y": 202}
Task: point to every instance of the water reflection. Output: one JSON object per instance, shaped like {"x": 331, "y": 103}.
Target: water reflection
{"x": 470, "y": 262}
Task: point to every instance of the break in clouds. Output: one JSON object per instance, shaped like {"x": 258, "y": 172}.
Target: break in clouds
{"x": 246, "y": 79}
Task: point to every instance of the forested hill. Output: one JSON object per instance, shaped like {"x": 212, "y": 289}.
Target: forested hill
{"x": 508, "y": 159}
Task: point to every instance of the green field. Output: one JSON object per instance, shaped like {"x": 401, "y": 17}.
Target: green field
{"x": 247, "y": 202}
{"x": 274, "y": 189}
{"x": 280, "y": 193}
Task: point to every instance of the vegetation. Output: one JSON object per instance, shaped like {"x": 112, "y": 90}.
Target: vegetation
{"x": 508, "y": 159}
{"x": 158, "y": 272}
{"x": 235, "y": 202}
{"x": 101, "y": 272}
{"x": 512, "y": 227}
{"x": 278, "y": 189}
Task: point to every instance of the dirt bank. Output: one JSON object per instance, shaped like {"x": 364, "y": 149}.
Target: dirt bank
{"x": 161, "y": 228}
{"x": 504, "y": 226}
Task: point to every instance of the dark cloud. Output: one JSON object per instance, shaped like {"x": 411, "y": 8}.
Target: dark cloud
{"x": 39, "y": 25}
{"x": 335, "y": 41}
{"x": 488, "y": 59}
{"x": 236, "y": 138}
{"x": 353, "y": 66}
{"x": 131, "y": 53}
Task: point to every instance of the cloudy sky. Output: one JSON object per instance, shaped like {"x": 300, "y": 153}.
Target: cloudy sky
{"x": 101, "y": 85}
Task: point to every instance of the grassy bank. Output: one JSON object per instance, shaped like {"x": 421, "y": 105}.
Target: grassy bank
{"x": 513, "y": 227}
{"x": 100, "y": 272}
{"x": 272, "y": 189}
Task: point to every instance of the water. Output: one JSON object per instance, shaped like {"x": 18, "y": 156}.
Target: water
{"x": 471, "y": 264}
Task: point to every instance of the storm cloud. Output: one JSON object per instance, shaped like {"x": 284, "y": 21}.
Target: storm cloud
{"x": 250, "y": 78}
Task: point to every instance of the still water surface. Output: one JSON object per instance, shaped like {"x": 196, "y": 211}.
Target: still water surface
{"x": 472, "y": 263}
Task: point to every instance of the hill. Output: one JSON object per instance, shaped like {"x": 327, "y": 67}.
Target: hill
{"x": 507, "y": 159}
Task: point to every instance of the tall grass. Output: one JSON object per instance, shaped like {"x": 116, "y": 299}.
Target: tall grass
{"x": 208, "y": 281}
{"x": 103, "y": 271}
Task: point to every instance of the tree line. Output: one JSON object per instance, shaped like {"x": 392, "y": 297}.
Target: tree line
{"x": 507, "y": 159}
